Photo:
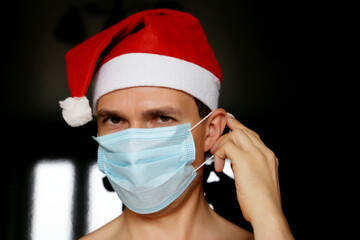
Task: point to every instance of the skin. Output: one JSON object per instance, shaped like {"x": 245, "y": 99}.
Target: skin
{"x": 189, "y": 216}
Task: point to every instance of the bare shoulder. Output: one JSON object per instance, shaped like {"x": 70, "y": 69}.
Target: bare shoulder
{"x": 105, "y": 232}
{"x": 240, "y": 233}
{"x": 230, "y": 230}
{"x": 98, "y": 234}
{"x": 236, "y": 232}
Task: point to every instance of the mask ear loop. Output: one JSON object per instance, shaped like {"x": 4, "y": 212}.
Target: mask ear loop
{"x": 210, "y": 158}
{"x": 195, "y": 127}
{"x": 200, "y": 121}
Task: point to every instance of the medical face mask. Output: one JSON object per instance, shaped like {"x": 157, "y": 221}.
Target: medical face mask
{"x": 149, "y": 167}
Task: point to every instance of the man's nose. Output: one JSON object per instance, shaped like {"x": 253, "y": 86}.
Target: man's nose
{"x": 137, "y": 124}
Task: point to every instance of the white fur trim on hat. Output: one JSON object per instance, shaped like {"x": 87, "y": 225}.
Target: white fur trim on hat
{"x": 76, "y": 111}
{"x": 144, "y": 69}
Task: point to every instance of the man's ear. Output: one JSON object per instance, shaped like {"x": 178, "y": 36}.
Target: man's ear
{"x": 215, "y": 127}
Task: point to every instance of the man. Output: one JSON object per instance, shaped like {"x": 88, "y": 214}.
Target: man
{"x": 155, "y": 96}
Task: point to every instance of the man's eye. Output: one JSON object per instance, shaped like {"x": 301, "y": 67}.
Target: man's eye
{"x": 114, "y": 120}
{"x": 165, "y": 118}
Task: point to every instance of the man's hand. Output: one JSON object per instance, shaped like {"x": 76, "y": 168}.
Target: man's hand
{"x": 255, "y": 170}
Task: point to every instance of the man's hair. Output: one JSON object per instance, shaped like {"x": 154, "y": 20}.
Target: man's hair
{"x": 202, "y": 108}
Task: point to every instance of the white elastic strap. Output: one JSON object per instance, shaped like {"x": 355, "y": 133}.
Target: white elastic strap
{"x": 195, "y": 127}
{"x": 200, "y": 121}
{"x": 210, "y": 158}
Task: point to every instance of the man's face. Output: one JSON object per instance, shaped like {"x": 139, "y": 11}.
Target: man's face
{"x": 149, "y": 107}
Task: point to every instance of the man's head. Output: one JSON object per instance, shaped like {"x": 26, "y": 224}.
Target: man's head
{"x": 153, "y": 69}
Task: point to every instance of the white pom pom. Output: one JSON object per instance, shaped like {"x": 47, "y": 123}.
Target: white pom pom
{"x": 76, "y": 111}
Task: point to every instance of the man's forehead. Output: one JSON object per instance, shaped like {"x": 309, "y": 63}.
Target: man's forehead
{"x": 144, "y": 93}
{"x": 146, "y": 100}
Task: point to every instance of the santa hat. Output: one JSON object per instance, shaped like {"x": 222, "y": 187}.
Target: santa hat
{"x": 162, "y": 47}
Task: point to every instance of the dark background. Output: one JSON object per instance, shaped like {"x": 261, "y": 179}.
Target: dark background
{"x": 277, "y": 61}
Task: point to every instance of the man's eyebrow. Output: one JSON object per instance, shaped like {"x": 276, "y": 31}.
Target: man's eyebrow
{"x": 108, "y": 113}
{"x": 161, "y": 111}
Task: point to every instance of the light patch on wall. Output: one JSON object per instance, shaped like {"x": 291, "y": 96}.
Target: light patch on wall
{"x": 227, "y": 168}
{"x": 52, "y": 200}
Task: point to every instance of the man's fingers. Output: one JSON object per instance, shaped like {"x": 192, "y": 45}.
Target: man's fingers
{"x": 233, "y": 124}
{"x": 239, "y": 137}
{"x": 240, "y": 140}
{"x": 218, "y": 164}
{"x": 227, "y": 150}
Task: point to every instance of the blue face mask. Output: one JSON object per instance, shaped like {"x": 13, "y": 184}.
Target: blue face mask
{"x": 149, "y": 167}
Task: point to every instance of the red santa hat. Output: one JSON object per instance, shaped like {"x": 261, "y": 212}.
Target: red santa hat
{"x": 163, "y": 48}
